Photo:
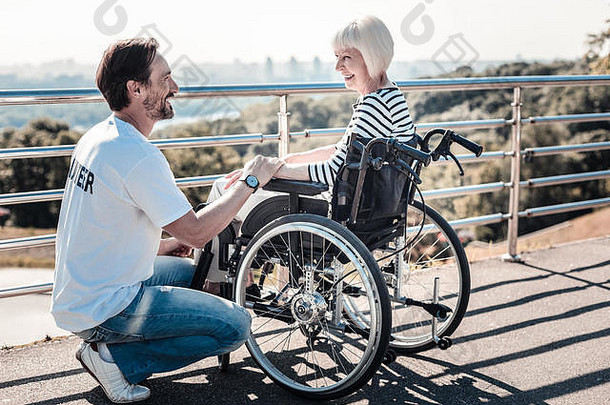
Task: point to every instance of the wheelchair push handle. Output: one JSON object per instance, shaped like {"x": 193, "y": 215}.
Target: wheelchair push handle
{"x": 466, "y": 143}
{"x": 443, "y": 148}
{"x": 416, "y": 154}
{"x": 448, "y": 137}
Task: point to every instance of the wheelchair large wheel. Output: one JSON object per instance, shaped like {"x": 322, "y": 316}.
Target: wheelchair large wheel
{"x": 304, "y": 267}
{"x": 436, "y": 252}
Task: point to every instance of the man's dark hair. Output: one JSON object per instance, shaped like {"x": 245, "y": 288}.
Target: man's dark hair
{"x": 125, "y": 60}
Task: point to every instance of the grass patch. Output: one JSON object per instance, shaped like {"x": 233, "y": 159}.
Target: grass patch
{"x": 26, "y": 261}
{"x": 37, "y": 257}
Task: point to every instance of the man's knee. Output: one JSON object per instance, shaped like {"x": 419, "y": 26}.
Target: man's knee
{"x": 172, "y": 270}
{"x": 246, "y": 323}
{"x": 240, "y": 324}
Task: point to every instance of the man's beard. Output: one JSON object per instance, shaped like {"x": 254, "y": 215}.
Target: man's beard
{"x": 157, "y": 108}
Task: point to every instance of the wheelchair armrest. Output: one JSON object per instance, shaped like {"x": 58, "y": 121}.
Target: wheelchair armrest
{"x": 296, "y": 187}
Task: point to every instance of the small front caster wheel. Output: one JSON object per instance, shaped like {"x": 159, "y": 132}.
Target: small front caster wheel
{"x": 223, "y": 362}
{"x": 389, "y": 357}
{"x": 444, "y": 343}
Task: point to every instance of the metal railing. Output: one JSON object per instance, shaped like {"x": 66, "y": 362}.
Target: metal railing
{"x": 283, "y": 91}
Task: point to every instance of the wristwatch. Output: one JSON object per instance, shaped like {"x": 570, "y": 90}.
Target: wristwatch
{"x": 251, "y": 181}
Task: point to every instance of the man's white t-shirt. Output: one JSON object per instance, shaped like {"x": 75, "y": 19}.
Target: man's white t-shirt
{"x": 119, "y": 193}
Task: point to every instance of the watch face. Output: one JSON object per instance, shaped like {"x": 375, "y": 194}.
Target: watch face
{"x": 252, "y": 181}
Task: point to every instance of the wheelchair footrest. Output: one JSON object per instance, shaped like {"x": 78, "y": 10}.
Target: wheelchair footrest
{"x": 439, "y": 311}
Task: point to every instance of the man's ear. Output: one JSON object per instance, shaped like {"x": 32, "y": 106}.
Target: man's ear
{"x": 134, "y": 88}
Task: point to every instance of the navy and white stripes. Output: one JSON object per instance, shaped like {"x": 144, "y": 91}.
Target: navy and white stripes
{"x": 383, "y": 113}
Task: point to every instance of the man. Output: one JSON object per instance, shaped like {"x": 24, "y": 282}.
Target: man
{"x": 117, "y": 284}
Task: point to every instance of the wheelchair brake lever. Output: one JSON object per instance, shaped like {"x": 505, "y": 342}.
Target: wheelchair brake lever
{"x": 376, "y": 163}
{"x": 404, "y": 166}
{"x": 452, "y": 156}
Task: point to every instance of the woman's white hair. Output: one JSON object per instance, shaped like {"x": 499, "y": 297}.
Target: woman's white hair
{"x": 371, "y": 37}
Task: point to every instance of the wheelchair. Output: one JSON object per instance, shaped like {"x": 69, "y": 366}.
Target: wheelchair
{"x": 336, "y": 289}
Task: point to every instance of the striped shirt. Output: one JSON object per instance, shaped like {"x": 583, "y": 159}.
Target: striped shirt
{"x": 383, "y": 113}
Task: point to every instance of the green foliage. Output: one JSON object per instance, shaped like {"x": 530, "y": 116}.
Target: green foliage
{"x": 598, "y": 56}
{"x": 198, "y": 161}
{"x": 38, "y": 173}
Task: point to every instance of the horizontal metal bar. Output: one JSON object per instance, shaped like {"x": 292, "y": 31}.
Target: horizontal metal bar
{"x": 317, "y": 133}
{"x": 171, "y": 143}
{"x": 492, "y": 123}
{"x": 27, "y": 242}
{"x": 559, "y": 208}
{"x": 567, "y": 118}
{"x": 503, "y": 82}
{"x": 457, "y": 191}
{"x": 31, "y": 196}
{"x": 85, "y": 95}
{"x": 57, "y": 194}
{"x": 461, "y": 223}
{"x": 206, "y": 141}
{"x": 40, "y": 93}
{"x": 25, "y": 290}
{"x": 426, "y": 125}
{"x": 556, "y": 150}
{"x": 472, "y": 124}
{"x": 198, "y": 181}
{"x": 49, "y": 96}
{"x": 565, "y": 179}
{"x": 36, "y": 152}
{"x": 482, "y": 220}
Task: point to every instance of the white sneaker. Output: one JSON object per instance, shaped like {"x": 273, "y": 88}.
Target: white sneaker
{"x": 108, "y": 375}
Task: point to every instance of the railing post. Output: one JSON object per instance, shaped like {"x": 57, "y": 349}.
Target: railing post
{"x": 515, "y": 177}
{"x": 283, "y": 127}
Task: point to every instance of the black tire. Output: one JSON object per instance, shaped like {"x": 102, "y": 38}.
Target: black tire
{"x": 436, "y": 252}
{"x": 300, "y": 336}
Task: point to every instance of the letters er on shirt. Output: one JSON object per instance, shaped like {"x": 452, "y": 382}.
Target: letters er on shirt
{"x": 81, "y": 176}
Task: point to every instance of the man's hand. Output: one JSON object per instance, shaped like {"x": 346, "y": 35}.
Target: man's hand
{"x": 262, "y": 167}
{"x": 173, "y": 247}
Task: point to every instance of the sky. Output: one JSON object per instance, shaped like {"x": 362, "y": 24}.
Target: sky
{"x": 36, "y": 31}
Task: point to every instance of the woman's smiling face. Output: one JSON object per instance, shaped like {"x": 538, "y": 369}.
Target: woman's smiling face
{"x": 350, "y": 64}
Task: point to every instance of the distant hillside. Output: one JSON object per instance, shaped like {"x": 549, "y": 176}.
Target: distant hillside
{"x": 68, "y": 74}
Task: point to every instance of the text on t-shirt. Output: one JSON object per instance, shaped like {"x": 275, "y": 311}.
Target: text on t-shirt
{"x": 81, "y": 176}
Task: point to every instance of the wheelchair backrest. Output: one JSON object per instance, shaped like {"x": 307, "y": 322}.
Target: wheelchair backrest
{"x": 385, "y": 191}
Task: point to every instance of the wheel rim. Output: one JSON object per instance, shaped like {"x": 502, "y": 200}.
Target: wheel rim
{"x": 316, "y": 350}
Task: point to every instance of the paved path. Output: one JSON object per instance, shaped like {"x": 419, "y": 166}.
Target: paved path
{"x": 535, "y": 333}
{"x": 26, "y": 318}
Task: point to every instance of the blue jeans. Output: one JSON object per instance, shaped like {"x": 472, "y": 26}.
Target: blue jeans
{"x": 167, "y": 326}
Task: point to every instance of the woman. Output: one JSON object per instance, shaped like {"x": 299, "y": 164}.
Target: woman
{"x": 364, "y": 49}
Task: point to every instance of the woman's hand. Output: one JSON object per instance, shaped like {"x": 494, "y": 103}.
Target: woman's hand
{"x": 262, "y": 167}
{"x": 233, "y": 177}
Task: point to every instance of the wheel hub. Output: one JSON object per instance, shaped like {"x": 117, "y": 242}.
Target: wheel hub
{"x": 308, "y": 308}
